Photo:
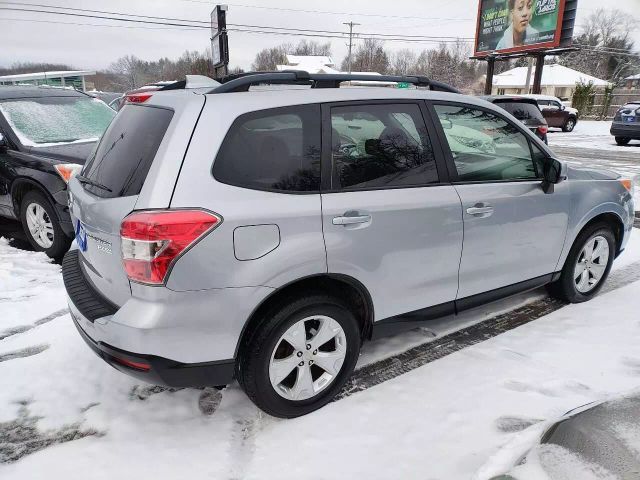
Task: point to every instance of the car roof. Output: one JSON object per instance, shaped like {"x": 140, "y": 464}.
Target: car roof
{"x": 8, "y": 92}
{"x": 508, "y": 98}
{"x": 539, "y": 96}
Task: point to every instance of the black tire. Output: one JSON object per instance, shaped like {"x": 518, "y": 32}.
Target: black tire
{"x": 253, "y": 367}
{"x": 565, "y": 288}
{"x": 569, "y": 125}
{"x": 622, "y": 140}
{"x": 61, "y": 242}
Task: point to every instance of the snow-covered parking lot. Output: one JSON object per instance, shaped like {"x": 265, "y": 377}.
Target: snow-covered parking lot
{"x": 64, "y": 414}
{"x": 470, "y": 411}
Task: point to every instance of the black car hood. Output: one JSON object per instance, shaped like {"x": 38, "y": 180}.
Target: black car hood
{"x": 70, "y": 152}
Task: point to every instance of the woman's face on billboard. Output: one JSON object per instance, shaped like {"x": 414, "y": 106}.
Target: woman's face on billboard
{"x": 521, "y": 15}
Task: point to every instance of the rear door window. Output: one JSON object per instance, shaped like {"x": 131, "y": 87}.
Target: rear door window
{"x": 380, "y": 146}
{"x": 276, "y": 149}
{"x": 127, "y": 149}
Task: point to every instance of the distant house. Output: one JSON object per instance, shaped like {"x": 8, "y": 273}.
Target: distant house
{"x": 72, "y": 78}
{"x": 322, "y": 64}
{"x": 632, "y": 82}
{"x": 557, "y": 80}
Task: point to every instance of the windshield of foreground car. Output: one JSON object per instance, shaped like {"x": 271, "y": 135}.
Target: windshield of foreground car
{"x": 51, "y": 120}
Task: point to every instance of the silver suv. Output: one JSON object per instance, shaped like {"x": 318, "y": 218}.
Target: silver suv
{"x": 263, "y": 234}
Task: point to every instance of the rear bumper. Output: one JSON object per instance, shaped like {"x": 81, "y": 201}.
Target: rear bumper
{"x": 158, "y": 370}
{"x": 626, "y": 130}
{"x": 186, "y": 338}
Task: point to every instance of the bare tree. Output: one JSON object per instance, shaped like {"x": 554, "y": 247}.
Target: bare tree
{"x": 311, "y": 47}
{"x": 403, "y": 62}
{"x": 605, "y": 31}
{"x": 131, "y": 72}
{"x": 369, "y": 56}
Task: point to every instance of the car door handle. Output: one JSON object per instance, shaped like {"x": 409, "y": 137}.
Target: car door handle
{"x": 480, "y": 210}
{"x": 351, "y": 220}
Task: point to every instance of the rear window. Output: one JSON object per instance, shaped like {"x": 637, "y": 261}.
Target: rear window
{"x": 276, "y": 149}
{"x": 522, "y": 111}
{"x": 127, "y": 149}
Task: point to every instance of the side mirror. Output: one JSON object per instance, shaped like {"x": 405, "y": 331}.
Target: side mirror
{"x": 447, "y": 124}
{"x": 551, "y": 174}
{"x": 562, "y": 107}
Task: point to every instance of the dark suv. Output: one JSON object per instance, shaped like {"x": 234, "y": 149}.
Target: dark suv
{"x": 524, "y": 109}
{"x": 45, "y": 136}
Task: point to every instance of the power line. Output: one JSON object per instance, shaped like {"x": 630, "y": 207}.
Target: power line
{"x": 328, "y": 12}
{"x": 206, "y": 23}
{"x": 260, "y": 29}
{"x": 57, "y": 22}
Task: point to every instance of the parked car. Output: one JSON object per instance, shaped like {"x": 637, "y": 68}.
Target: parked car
{"x": 45, "y": 136}
{"x": 600, "y": 436}
{"x": 555, "y": 113}
{"x": 626, "y": 123}
{"x": 524, "y": 109}
{"x": 264, "y": 235}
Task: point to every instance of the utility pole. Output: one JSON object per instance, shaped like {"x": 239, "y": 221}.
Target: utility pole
{"x": 351, "y": 25}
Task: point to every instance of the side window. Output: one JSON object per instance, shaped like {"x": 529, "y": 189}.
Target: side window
{"x": 378, "y": 146}
{"x": 557, "y": 105}
{"x": 276, "y": 149}
{"x": 485, "y": 147}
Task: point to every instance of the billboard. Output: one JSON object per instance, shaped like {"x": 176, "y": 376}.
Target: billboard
{"x": 511, "y": 26}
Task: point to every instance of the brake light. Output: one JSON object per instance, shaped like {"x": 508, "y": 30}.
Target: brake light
{"x": 138, "y": 97}
{"x": 153, "y": 240}
{"x": 543, "y": 129}
{"x": 145, "y": 367}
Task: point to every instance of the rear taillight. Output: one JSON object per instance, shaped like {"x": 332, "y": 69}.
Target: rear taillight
{"x": 153, "y": 240}
{"x": 543, "y": 129}
{"x": 137, "y": 97}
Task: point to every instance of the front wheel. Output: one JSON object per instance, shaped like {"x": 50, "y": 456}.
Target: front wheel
{"x": 41, "y": 225}
{"x": 622, "y": 140}
{"x": 587, "y": 265}
{"x": 569, "y": 125}
{"x": 300, "y": 356}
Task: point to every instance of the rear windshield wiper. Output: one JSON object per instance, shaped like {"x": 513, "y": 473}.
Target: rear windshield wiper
{"x": 84, "y": 180}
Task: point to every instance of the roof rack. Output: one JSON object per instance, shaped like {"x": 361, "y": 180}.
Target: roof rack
{"x": 322, "y": 80}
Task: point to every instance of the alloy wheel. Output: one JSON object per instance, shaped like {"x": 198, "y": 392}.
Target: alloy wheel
{"x": 592, "y": 263}
{"x": 307, "y": 358}
{"x": 40, "y": 225}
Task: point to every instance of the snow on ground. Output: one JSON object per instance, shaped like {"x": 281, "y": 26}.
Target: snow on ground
{"x": 451, "y": 419}
{"x": 593, "y": 134}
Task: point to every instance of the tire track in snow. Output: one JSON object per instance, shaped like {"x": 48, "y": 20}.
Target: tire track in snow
{"x": 25, "y": 328}
{"x": 386, "y": 369}
{"x": 24, "y": 352}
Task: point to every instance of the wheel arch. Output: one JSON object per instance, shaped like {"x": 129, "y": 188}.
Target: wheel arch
{"x": 21, "y": 186}
{"x": 610, "y": 218}
{"x": 345, "y": 287}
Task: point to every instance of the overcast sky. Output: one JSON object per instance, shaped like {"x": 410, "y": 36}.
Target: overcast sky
{"x": 25, "y": 36}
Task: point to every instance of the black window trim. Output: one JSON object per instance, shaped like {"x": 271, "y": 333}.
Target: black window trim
{"x": 259, "y": 114}
{"x": 442, "y": 140}
{"x": 327, "y": 160}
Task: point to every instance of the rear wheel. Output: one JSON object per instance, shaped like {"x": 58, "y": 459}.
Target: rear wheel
{"x": 41, "y": 225}
{"x": 569, "y": 125}
{"x": 300, "y": 356}
{"x": 622, "y": 140}
{"x": 587, "y": 265}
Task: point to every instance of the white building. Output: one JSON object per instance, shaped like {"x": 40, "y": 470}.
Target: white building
{"x": 71, "y": 78}
{"x": 557, "y": 80}
{"x": 632, "y": 82}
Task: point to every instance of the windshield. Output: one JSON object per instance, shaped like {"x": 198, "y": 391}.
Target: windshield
{"x": 50, "y": 120}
